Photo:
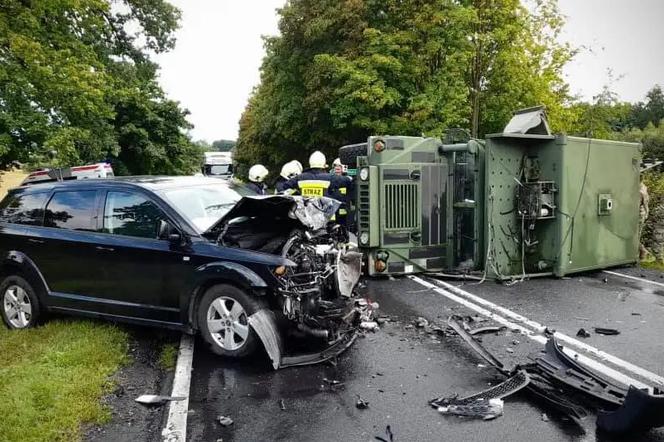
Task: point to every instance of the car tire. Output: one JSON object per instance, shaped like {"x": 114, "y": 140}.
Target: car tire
{"x": 348, "y": 154}
{"x": 223, "y": 315}
{"x": 19, "y": 305}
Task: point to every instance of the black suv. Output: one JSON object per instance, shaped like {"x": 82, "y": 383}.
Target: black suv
{"x": 180, "y": 252}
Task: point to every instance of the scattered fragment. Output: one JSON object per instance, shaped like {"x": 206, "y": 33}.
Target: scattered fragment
{"x": 639, "y": 412}
{"x": 582, "y": 333}
{"x": 361, "y": 403}
{"x": 581, "y": 318}
{"x": 509, "y": 350}
{"x": 606, "y": 331}
{"x": 491, "y": 329}
{"x": 382, "y": 320}
{"x": 369, "y": 326}
{"x": 480, "y": 408}
{"x": 421, "y": 322}
{"x": 545, "y": 418}
{"x": 605, "y": 280}
{"x": 152, "y": 399}
{"x": 282, "y": 405}
{"x": 508, "y": 387}
{"x": 225, "y": 421}
{"x": 388, "y": 433}
{"x": 515, "y": 342}
{"x": 636, "y": 314}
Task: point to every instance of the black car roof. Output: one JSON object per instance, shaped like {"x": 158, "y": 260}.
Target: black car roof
{"x": 153, "y": 183}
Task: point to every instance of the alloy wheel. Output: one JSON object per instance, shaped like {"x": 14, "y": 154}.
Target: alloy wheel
{"x": 228, "y": 323}
{"x": 17, "y": 305}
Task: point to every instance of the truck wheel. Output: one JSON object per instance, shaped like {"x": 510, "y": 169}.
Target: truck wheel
{"x": 348, "y": 154}
{"x": 223, "y": 319}
{"x": 20, "y": 306}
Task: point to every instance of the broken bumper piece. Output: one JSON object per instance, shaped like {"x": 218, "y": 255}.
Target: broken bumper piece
{"x": 264, "y": 324}
{"x": 640, "y": 412}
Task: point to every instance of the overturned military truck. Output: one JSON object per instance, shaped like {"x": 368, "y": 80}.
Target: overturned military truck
{"x": 518, "y": 204}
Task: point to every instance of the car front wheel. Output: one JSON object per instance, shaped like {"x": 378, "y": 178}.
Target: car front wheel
{"x": 223, "y": 318}
{"x": 20, "y": 307}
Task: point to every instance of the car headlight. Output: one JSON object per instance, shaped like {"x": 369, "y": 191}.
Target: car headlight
{"x": 364, "y": 238}
{"x": 364, "y": 174}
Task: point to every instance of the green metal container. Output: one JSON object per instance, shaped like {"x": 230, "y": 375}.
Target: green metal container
{"x": 559, "y": 205}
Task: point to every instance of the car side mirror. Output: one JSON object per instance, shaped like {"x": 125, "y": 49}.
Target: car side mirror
{"x": 166, "y": 231}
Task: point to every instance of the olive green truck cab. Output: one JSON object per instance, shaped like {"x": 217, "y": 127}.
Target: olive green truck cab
{"x": 517, "y": 204}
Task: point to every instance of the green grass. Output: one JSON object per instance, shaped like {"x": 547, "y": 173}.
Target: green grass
{"x": 653, "y": 265}
{"x": 53, "y": 377}
{"x": 168, "y": 356}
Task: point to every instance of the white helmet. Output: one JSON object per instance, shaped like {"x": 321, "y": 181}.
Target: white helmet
{"x": 337, "y": 162}
{"x": 317, "y": 160}
{"x": 298, "y": 165}
{"x": 289, "y": 170}
{"x": 257, "y": 173}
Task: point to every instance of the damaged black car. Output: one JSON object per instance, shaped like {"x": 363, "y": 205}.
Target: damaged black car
{"x": 185, "y": 253}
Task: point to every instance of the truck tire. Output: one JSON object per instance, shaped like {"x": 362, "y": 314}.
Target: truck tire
{"x": 223, "y": 319}
{"x": 348, "y": 154}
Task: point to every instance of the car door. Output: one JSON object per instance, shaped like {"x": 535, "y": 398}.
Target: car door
{"x": 66, "y": 248}
{"x": 140, "y": 275}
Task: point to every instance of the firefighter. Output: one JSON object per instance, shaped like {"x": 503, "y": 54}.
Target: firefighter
{"x": 257, "y": 175}
{"x": 344, "y": 188}
{"x": 315, "y": 181}
{"x": 288, "y": 171}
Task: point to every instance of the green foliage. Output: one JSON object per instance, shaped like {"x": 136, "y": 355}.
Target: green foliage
{"x": 77, "y": 85}
{"x": 54, "y": 377}
{"x": 342, "y": 70}
{"x": 224, "y": 145}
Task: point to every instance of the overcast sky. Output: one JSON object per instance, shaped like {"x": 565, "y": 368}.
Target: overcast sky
{"x": 219, "y": 50}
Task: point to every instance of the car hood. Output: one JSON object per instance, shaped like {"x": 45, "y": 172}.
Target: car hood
{"x": 311, "y": 213}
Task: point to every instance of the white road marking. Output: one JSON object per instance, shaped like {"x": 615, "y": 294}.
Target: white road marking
{"x": 535, "y": 333}
{"x": 176, "y": 425}
{"x": 622, "y": 275}
{"x": 560, "y": 336}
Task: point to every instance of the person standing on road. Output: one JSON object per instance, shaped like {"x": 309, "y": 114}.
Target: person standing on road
{"x": 257, "y": 174}
{"x": 315, "y": 181}
{"x": 288, "y": 171}
{"x": 344, "y": 191}
{"x": 644, "y": 211}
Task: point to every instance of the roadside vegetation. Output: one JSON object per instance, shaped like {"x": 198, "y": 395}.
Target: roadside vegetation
{"x": 54, "y": 376}
{"x": 9, "y": 180}
{"x": 168, "y": 356}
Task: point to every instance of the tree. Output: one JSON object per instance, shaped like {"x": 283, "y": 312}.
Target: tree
{"x": 650, "y": 112}
{"x": 342, "y": 70}
{"x": 77, "y": 85}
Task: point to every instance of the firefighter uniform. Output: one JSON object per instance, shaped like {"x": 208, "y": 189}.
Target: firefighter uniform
{"x": 257, "y": 174}
{"x": 314, "y": 183}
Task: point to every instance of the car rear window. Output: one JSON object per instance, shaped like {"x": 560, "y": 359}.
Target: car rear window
{"x": 23, "y": 209}
{"x": 72, "y": 210}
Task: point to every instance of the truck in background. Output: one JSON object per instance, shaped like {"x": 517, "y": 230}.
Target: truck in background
{"x": 89, "y": 171}
{"x": 217, "y": 164}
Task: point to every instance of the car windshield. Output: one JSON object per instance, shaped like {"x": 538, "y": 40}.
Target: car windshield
{"x": 220, "y": 170}
{"x": 202, "y": 205}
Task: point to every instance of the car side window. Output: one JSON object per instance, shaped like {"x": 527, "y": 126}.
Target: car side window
{"x": 23, "y": 209}
{"x": 74, "y": 210}
{"x": 131, "y": 214}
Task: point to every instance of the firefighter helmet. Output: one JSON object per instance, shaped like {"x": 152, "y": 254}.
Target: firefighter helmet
{"x": 289, "y": 170}
{"x": 257, "y": 173}
{"x": 317, "y": 160}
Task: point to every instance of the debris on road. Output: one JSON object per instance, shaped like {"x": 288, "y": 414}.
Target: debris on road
{"x": 606, "y": 331}
{"x": 421, "y": 322}
{"x": 639, "y": 412}
{"x": 583, "y": 333}
{"x": 388, "y": 433}
{"x": 545, "y": 418}
{"x": 153, "y": 399}
{"x": 361, "y": 403}
{"x": 479, "y": 408}
{"x": 489, "y": 329}
{"x": 369, "y": 326}
{"x": 506, "y": 388}
{"x": 225, "y": 421}
{"x": 282, "y": 405}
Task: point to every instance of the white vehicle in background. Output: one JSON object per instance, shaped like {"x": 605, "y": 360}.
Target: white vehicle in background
{"x": 98, "y": 170}
{"x": 218, "y": 164}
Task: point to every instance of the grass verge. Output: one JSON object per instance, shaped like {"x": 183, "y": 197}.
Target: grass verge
{"x": 54, "y": 376}
{"x": 168, "y": 356}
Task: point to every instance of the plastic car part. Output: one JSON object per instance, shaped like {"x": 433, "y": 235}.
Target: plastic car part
{"x": 557, "y": 366}
{"x": 641, "y": 411}
{"x": 480, "y": 408}
{"x": 476, "y": 345}
{"x": 264, "y": 324}
{"x": 510, "y": 386}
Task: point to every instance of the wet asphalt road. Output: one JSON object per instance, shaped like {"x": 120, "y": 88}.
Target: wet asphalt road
{"x": 400, "y": 368}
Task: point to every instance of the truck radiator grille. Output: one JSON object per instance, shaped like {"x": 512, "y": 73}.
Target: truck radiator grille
{"x": 401, "y": 211}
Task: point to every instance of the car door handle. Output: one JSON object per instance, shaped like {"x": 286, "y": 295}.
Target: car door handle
{"x": 36, "y": 241}
{"x": 105, "y": 249}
